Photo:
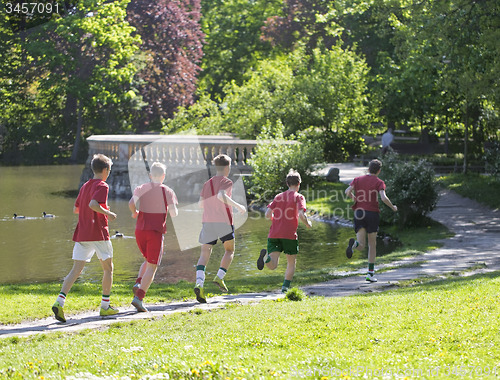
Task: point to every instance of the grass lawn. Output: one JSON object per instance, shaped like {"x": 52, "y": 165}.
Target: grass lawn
{"x": 327, "y": 198}
{"x": 446, "y": 329}
{"x": 484, "y": 189}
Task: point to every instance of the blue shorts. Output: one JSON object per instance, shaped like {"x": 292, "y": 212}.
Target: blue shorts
{"x": 369, "y": 220}
{"x": 211, "y": 232}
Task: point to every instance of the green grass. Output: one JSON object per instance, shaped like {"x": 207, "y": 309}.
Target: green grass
{"x": 433, "y": 330}
{"x": 484, "y": 189}
{"x": 327, "y": 198}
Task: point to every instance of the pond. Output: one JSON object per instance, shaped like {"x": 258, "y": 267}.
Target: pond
{"x": 37, "y": 249}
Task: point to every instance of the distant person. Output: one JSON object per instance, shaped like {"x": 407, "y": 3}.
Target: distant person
{"x": 364, "y": 190}
{"x": 92, "y": 235}
{"x": 217, "y": 205}
{"x": 150, "y": 204}
{"x": 285, "y": 211}
{"x": 387, "y": 139}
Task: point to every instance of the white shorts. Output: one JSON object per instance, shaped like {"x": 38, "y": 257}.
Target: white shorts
{"x": 84, "y": 250}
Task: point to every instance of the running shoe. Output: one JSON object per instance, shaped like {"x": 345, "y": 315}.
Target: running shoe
{"x": 137, "y": 303}
{"x": 58, "y": 312}
{"x": 370, "y": 278}
{"x": 348, "y": 250}
{"x": 109, "y": 311}
{"x": 284, "y": 289}
{"x": 260, "y": 260}
{"x": 220, "y": 283}
{"x": 200, "y": 294}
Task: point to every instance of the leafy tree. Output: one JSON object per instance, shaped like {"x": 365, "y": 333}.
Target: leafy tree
{"x": 172, "y": 45}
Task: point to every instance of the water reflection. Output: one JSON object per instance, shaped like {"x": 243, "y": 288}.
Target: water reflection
{"x": 39, "y": 249}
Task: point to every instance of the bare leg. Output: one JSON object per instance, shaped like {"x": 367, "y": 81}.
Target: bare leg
{"x": 291, "y": 261}
{"x": 74, "y": 273}
{"x": 361, "y": 239}
{"x": 148, "y": 276}
{"x": 372, "y": 247}
{"x": 275, "y": 258}
{"x": 107, "y": 275}
{"x": 142, "y": 269}
{"x": 206, "y": 251}
{"x": 227, "y": 259}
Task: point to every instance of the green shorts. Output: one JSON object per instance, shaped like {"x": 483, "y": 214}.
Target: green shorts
{"x": 289, "y": 246}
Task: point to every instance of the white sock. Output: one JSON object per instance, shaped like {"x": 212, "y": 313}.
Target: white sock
{"x": 61, "y": 300}
{"x": 200, "y": 277}
{"x": 105, "y": 302}
{"x": 221, "y": 273}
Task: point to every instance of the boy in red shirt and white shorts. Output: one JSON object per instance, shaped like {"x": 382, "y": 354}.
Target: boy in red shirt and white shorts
{"x": 285, "y": 211}
{"x": 149, "y": 204}
{"x": 92, "y": 235}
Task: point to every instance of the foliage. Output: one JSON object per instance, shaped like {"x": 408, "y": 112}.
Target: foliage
{"x": 295, "y": 294}
{"x": 492, "y": 158}
{"x": 411, "y": 186}
{"x": 274, "y": 156}
{"x": 172, "y": 44}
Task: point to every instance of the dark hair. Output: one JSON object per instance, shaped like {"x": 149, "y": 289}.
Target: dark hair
{"x": 100, "y": 162}
{"x": 221, "y": 161}
{"x": 374, "y": 166}
{"x": 293, "y": 178}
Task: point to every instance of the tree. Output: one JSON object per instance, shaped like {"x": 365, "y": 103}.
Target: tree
{"x": 172, "y": 46}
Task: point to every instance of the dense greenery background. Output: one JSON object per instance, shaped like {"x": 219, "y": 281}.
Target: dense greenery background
{"x": 329, "y": 71}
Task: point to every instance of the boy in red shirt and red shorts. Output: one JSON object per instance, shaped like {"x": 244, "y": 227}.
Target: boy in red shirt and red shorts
{"x": 149, "y": 204}
{"x": 217, "y": 220}
{"x": 91, "y": 235}
{"x": 285, "y": 211}
{"x": 364, "y": 190}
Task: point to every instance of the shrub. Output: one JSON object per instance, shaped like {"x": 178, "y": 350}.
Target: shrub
{"x": 492, "y": 158}
{"x": 274, "y": 156}
{"x": 411, "y": 186}
{"x": 295, "y": 294}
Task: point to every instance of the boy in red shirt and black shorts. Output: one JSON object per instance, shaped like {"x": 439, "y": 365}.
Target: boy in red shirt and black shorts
{"x": 149, "y": 204}
{"x": 364, "y": 190}
{"x": 92, "y": 235}
{"x": 217, "y": 220}
{"x": 285, "y": 211}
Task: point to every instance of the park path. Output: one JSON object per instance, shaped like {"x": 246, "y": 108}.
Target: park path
{"x": 476, "y": 241}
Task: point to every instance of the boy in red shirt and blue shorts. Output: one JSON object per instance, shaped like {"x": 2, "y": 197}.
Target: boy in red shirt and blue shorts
{"x": 364, "y": 190}
{"x": 92, "y": 235}
{"x": 217, "y": 220}
{"x": 149, "y": 204}
{"x": 285, "y": 211}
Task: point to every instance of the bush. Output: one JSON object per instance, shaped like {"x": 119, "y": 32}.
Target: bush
{"x": 411, "y": 186}
{"x": 295, "y": 294}
{"x": 274, "y": 156}
{"x": 492, "y": 158}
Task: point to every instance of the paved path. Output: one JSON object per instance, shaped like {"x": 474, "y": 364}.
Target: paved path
{"x": 477, "y": 240}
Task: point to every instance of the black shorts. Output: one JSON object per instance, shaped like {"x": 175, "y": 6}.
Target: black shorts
{"x": 369, "y": 220}
{"x": 211, "y": 232}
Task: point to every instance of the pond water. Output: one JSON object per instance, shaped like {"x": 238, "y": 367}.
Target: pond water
{"x": 37, "y": 249}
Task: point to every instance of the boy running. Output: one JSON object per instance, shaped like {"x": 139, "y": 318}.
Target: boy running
{"x": 217, "y": 220}
{"x": 149, "y": 204}
{"x": 92, "y": 235}
{"x": 364, "y": 190}
{"x": 285, "y": 211}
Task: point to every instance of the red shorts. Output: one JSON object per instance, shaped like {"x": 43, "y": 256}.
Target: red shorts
{"x": 150, "y": 244}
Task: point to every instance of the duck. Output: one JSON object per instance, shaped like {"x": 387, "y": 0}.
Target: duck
{"x": 118, "y": 234}
{"x": 45, "y": 215}
{"x": 19, "y": 216}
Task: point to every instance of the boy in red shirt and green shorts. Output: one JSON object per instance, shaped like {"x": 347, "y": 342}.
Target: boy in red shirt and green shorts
{"x": 364, "y": 190}
{"x": 92, "y": 235}
{"x": 149, "y": 204}
{"x": 285, "y": 211}
{"x": 217, "y": 220}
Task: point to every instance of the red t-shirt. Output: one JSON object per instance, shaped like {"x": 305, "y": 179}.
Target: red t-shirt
{"x": 153, "y": 206}
{"x": 92, "y": 226}
{"x": 214, "y": 210}
{"x": 366, "y": 190}
{"x": 286, "y": 207}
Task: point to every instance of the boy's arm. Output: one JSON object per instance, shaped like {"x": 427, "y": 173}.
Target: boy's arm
{"x": 349, "y": 193}
{"x": 387, "y": 201}
{"x": 95, "y": 206}
{"x": 269, "y": 214}
{"x": 222, "y": 196}
{"x": 303, "y": 217}
{"x": 200, "y": 203}
{"x": 132, "y": 208}
{"x": 172, "y": 210}
{"x": 76, "y": 210}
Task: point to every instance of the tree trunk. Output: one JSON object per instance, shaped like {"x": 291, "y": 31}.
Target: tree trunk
{"x": 466, "y": 137}
{"x": 78, "y": 136}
